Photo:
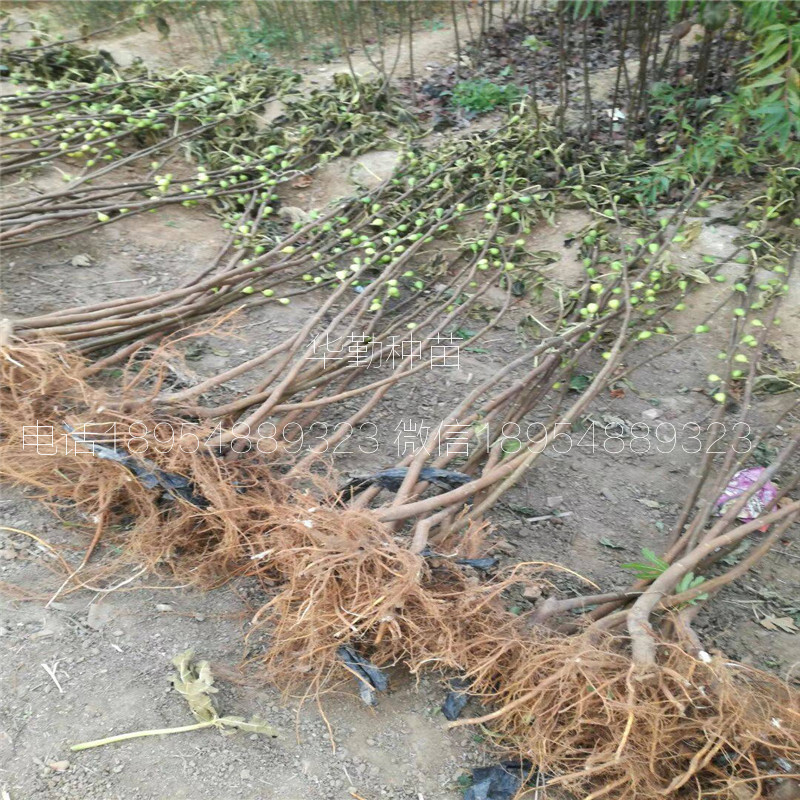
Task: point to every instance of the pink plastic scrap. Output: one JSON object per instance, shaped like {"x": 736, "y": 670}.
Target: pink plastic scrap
{"x": 739, "y": 484}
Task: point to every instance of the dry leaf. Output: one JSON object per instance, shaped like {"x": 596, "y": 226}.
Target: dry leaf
{"x": 533, "y": 591}
{"x": 690, "y": 233}
{"x": 82, "y": 260}
{"x": 696, "y": 274}
{"x": 294, "y": 214}
{"x": 649, "y": 503}
{"x": 785, "y": 624}
{"x": 195, "y": 684}
{"x": 252, "y": 725}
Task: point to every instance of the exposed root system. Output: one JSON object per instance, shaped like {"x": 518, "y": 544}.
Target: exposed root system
{"x": 575, "y": 704}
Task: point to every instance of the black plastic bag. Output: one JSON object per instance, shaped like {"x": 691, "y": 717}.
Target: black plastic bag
{"x": 391, "y": 480}
{"x": 147, "y": 472}
{"x": 370, "y": 678}
{"x": 455, "y": 701}
{"x": 500, "y": 781}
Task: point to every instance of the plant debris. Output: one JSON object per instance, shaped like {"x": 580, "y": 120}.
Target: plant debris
{"x": 785, "y": 624}
{"x": 196, "y": 683}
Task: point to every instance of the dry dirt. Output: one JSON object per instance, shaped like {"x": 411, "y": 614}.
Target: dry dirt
{"x": 96, "y": 662}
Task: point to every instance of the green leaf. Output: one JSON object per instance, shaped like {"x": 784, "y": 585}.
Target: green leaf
{"x": 606, "y": 542}
{"x": 649, "y": 571}
{"x": 769, "y": 80}
{"x": 774, "y": 56}
{"x": 579, "y": 383}
{"x": 463, "y": 333}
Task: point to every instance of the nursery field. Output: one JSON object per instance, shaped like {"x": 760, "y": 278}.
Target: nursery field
{"x": 400, "y": 400}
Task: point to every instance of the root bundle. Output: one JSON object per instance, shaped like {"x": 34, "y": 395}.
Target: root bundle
{"x": 573, "y": 703}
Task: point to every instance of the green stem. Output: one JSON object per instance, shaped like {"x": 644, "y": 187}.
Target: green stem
{"x": 136, "y": 734}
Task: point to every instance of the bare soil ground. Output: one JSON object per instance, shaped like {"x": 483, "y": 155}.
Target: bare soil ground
{"x": 95, "y": 662}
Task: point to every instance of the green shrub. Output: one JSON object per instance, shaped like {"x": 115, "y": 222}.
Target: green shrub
{"x": 481, "y": 95}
